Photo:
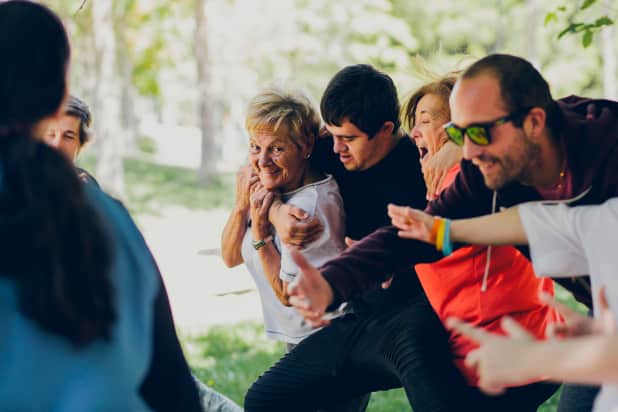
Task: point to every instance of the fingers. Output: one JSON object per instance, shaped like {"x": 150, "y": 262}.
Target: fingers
{"x": 349, "y": 242}
{"x": 564, "y": 310}
{"x": 303, "y": 264}
{"x": 514, "y": 329}
{"x": 297, "y": 212}
{"x": 603, "y": 305}
{"x": 304, "y": 233}
{"x": 474, "y": 333}
{"x": 267, "y": 201}
{"x": 387, "y": 283}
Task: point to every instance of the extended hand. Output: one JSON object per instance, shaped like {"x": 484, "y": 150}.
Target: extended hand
{"x": 310, "y": 294}
{"x": 412, "y": 223}
{"x": 500, "y": 360}
{"x": 576, "y": 324}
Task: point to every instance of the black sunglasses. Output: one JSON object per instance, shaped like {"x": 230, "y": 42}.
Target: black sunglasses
{"x": 479, "y": 133}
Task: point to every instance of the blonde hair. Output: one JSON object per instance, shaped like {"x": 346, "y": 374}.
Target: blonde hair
{"x": 285, "y": 114}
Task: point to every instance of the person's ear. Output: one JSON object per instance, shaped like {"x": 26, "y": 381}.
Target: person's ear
{"x": 387, "y": 128}
{"x": 535, "y": 123}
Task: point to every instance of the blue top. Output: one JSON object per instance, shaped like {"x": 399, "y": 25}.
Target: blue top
{"x": 40, "y": 371}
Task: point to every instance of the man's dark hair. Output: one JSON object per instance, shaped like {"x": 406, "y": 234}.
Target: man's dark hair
{"x": 521, "y": 86}
{"x": 79, "y": 109}
{"x": 362, "y": 95}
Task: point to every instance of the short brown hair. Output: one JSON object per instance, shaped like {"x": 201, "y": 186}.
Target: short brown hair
{"x": 284, "y": 113}
{"x": 441, "y": 87}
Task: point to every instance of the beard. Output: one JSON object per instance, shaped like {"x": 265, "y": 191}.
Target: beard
{"x": 517, "y": 165}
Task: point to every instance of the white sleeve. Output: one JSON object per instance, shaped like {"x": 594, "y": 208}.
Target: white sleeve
{"x": 554, "y": 233}
{"x": 306, "y": 200}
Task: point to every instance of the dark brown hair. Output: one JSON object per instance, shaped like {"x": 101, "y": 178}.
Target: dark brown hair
{"x": 54, "y": 246}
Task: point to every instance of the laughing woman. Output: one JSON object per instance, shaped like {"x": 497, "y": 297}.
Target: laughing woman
{"x": 282, "y": 129}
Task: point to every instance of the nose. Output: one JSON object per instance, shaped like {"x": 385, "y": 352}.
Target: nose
{"x": 263, "y": 158}
{"x": 471, "y": 150}
{"x": 53, "y": 140}
{"x": 338, "y": 146}
{"x": 415, "y": 133}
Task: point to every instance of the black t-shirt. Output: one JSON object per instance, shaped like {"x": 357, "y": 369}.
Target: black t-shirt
{"x": 395, "y": 179}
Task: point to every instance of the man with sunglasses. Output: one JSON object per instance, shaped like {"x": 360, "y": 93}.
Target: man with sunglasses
{"x": 519, "y": 145}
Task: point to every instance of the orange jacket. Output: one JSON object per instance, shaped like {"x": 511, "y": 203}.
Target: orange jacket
{"x": 453, "y": 287}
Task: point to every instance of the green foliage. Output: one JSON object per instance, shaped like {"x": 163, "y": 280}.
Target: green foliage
{"x": 146, "y": 145}
{"x": 576, "y": 26}
{"x": 151, "y": 186}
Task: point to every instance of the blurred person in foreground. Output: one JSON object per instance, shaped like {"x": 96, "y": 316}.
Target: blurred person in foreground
{"x": 86, "y": 325}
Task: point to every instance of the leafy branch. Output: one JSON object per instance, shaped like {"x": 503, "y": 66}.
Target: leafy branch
{"x": 587, "y": 29}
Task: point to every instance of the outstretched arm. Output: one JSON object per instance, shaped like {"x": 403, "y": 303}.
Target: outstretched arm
{"x": 504, "y": 228}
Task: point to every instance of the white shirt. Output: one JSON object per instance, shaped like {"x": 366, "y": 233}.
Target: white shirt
{"x": 323, "y": 200}
{"x": 575, "y": 241}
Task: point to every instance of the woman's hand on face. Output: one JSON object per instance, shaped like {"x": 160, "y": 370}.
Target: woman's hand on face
{"x": 436, "y": 164}
{"x": 412, "y": 223}
{"x": 245, "y": 178}
{"x": 260, "y": 201}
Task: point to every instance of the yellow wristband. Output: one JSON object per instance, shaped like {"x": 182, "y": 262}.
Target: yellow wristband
{"x": 440, "y": 235}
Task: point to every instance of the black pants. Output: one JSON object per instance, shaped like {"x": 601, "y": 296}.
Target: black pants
{"x": 405, "y": 345}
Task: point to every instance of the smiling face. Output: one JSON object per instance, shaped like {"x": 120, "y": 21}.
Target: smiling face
{"x": 279, "y": 163}
{"x": 63, "y": 135}
{"x": 429, "y": 117}
{"x": 511, "y": 154}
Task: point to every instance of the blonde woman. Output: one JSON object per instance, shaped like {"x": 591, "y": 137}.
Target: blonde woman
{"x": 282, "y": 130}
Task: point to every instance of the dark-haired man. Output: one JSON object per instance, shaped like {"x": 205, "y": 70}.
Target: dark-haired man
{"x": 519, "y": 145}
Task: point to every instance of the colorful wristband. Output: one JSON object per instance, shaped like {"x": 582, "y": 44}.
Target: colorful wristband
{"x": 440, "y": 235}
{"x": 434, "y": 230}
{"x": 447, "y": 245}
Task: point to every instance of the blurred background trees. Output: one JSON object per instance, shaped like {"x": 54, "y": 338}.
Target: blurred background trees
{"x": 170, "y": 80}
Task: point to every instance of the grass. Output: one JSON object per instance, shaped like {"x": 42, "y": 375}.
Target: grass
{"x": 151, "y": 186}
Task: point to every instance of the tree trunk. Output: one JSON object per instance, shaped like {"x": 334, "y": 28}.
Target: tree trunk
{"x": 110, "y": 172}
{"x": 532, "y": 32}
{"x": 128, "y": 118}
{"x": 205, "y": 107}
{"x": 610, "y": 87}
